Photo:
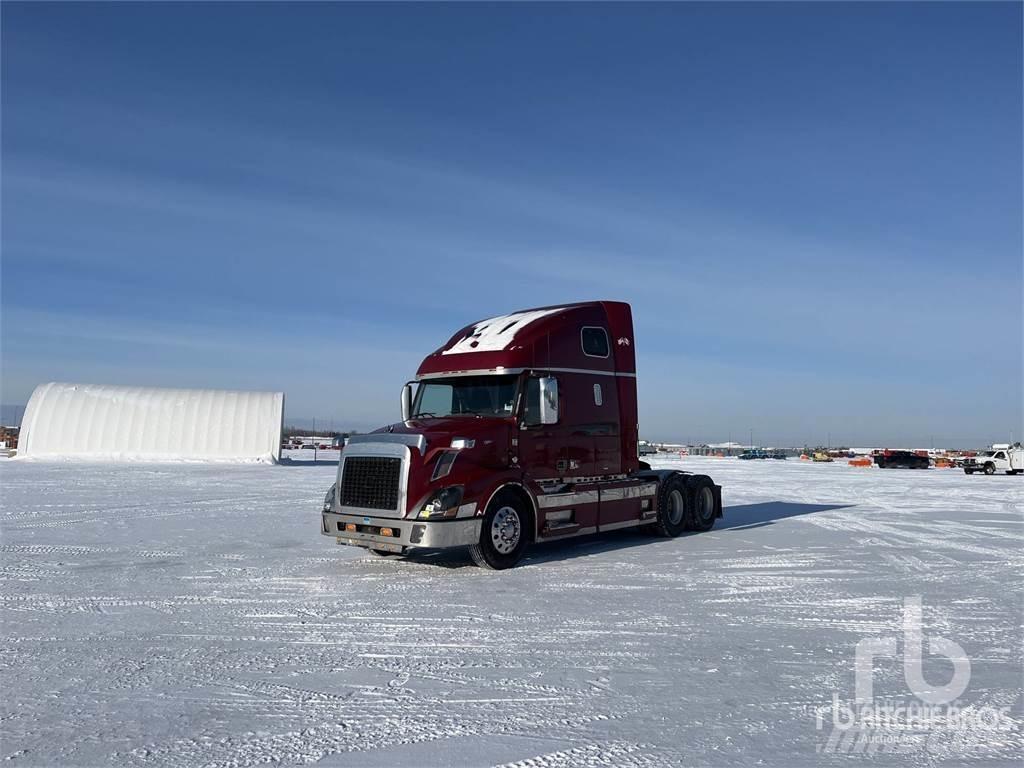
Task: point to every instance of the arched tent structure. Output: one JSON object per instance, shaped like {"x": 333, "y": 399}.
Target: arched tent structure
{"x": 150, "y": 423}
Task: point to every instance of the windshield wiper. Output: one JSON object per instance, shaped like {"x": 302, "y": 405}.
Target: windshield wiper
{"x": 425, "y": 415}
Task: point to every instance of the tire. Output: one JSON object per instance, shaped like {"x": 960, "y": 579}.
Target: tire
{"x": 968, "y": 470}
{"x": 380, "y": 552}
{"x": 990, "y": 469}
{"x": 504, "y": 533}
{"x": 702, "y": 503}
{"x": 673, "y": 507}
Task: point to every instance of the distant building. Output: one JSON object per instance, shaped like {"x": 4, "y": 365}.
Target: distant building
{"x": 8, "y": 438}
{"x": 151, "y": 423}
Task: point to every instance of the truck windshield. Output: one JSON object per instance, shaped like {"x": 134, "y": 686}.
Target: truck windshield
{"x": 466, "y": 395}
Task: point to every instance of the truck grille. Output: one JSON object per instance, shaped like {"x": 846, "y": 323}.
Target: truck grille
{"x": 371, "y": 482}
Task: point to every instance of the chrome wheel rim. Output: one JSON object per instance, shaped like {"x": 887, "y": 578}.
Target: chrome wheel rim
{"x": 705, "y": 503}
{"x": 505, "y": 530}
{"x": 675, "y": 507}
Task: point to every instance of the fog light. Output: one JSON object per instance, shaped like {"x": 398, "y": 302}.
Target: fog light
{"x": 350, "y": 527}
{"x": 386, "y": 532}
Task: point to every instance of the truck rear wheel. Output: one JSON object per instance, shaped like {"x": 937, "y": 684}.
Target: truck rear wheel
{"x": 703, "y": 497}
{"x": 504, "y": 533}
{"x": 673, "y": 507}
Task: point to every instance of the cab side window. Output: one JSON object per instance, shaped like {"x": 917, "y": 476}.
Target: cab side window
{"x": 531, "y": 408}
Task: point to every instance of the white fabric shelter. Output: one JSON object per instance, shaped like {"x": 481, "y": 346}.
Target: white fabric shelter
{"x": 150, "y": 423}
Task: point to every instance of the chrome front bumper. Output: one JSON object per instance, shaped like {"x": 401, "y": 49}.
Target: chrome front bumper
{"x": 435, "y": 534}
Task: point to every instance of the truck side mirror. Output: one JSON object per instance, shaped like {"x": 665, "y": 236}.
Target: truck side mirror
{"x": 549, "y": 400}
{"x": 406, "y": 402}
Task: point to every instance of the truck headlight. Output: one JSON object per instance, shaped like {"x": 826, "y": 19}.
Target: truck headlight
{"x": 443, "y": 504}
{"x": 329, "y": 498}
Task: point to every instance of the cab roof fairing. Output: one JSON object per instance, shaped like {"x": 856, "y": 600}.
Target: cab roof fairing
{"x": 545, "y": 337}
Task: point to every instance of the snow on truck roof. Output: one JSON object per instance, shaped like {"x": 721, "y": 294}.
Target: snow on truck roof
{"x": 496, "y": 333}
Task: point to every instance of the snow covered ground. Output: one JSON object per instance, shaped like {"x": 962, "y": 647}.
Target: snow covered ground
{"x": 193, "y": 615}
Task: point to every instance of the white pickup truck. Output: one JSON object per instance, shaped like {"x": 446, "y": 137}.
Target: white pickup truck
{"x": 1003, "y": 456}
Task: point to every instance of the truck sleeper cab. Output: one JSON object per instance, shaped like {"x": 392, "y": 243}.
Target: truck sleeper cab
{"x": 522, "y": 428}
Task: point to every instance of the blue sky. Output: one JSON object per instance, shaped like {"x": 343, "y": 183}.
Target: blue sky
{"x": 815, "y": 210}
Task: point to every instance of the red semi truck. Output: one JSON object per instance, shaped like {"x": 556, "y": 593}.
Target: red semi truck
{"x": 522, "y": 428}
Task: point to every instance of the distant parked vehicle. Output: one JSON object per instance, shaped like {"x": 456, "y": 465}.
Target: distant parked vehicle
{"x": 308, "y": 447}
{"x": 1005, "y": 457}
{"x": 762, "y": 453}
{"x": 821, "y": 456}
{"x": 907, "y": 459}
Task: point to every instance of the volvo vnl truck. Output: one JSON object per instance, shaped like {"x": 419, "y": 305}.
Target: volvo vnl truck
{"x": 520, "y": 428}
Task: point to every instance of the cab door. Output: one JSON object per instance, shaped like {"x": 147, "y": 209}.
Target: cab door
{"x": 554, "y": 457}
{"x": 561, "y": 450}
{"x": 539, "y": 444}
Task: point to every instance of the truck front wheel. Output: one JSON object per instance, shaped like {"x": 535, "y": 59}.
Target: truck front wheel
{"x": 990, "y": 469}
{"x": 673, "y": 507}
{"x": 504, "y": 533}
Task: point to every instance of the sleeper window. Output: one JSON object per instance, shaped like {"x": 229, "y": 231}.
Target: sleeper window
{"x": 595, "y": 342}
